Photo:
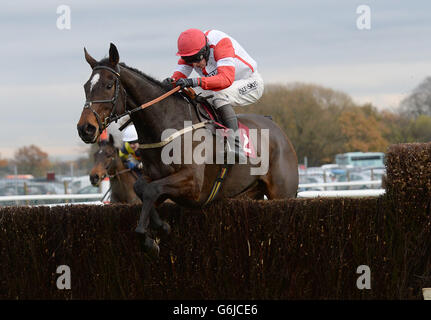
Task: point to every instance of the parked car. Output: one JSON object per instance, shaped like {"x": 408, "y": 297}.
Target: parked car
{"x": 31, "y": 189}
{"x": 374, "y": 173}
{"x": 76, "y": 183}
{"x": 310, "y": 179}
{"x": 354, "y": 176}
{"x": 88, "y": 190}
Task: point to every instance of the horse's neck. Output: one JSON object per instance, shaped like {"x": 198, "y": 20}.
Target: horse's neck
{"x": 122, "y": 181}
{"x": 169, "y": 113}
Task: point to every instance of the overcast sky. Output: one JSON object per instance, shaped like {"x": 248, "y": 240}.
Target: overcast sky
{"x": 313, "y": 41}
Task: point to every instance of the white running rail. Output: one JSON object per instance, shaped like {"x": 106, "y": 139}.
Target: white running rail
{"x": 303, "y": 194}
{"x": 341, "y": 184}
{"x": 342, "y": 193}
{"x": 97, "y": 196}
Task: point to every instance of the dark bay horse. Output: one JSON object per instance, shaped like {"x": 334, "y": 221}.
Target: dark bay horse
{"x": 114, "y": 88}
{"x": 107, "y": 163}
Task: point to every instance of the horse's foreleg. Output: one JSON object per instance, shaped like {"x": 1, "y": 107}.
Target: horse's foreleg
{"x": 180, "y": 184}
{"x": 149, "y": 193}
{"x": 144, "y": 191}
{"x": 157, "y": 223}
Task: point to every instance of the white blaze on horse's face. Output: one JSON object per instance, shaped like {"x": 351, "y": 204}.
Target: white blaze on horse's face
{"x": 94, "y": 80}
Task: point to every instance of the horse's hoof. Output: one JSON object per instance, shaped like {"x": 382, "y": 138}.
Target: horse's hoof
{"x": 148, "y": 245}
{"x": 151, "y": 247}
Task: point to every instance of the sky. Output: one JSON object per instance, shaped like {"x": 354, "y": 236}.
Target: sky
{"x": 312, "y": 41}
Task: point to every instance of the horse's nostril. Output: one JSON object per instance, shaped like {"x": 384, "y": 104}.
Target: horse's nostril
{"x": 89, "y": 129}
{"x": 87, "y": 132}
{"x": 94, "y": 179}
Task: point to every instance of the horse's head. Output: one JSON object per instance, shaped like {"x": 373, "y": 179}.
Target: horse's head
{"x": 104, "y": 161}
{"x": 105, "y": 97}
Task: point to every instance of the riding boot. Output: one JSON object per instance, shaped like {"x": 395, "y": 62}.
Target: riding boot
{"x": 229, "y": 119}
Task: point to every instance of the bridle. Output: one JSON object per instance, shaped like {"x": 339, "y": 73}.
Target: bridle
{"x": 108, "y": 167}
{"x": 113, "y": 116}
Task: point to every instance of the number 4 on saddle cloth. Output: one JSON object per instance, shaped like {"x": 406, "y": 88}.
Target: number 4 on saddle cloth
{"x": 205, "y": 112}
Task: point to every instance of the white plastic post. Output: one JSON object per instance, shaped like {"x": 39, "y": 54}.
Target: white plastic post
{"x": 104, "y": 187}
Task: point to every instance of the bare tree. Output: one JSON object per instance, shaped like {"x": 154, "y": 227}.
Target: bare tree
{"x": 419, "y": 101}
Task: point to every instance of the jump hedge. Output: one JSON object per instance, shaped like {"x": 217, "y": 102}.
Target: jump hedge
{"x": 233, "y": 249}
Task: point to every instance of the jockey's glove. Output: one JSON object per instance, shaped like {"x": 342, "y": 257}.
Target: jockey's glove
{"x": 140, "y": 166}
{"x": 188, "y": 82}
{"x": 168, "y": 83}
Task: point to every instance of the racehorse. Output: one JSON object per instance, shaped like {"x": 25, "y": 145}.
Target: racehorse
{"x": 114, "y": 89}
{"x": 107, "y": 163}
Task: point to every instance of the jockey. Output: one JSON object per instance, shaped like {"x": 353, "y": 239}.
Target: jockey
{"x": 128, "y": 150}
{"x": 226, "y": 70}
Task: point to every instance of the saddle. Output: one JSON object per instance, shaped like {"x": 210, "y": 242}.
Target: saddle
{"x": 204, "y": 109}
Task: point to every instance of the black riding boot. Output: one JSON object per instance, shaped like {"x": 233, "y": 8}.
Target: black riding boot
{"x": 229, "y": 119}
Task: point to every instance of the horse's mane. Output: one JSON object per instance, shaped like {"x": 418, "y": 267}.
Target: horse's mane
{"x": 105, "y": 61}
{"x": 142, "y": 75}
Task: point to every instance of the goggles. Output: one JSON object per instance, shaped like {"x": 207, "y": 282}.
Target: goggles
{"x": 198, "y": 56}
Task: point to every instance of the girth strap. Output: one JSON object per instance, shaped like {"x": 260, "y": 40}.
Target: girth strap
{"x": 173, "y": 136}
{"x": 216, "y": 187}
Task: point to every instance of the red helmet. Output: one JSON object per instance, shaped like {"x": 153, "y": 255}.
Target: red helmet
{"x": 190, "y": 42}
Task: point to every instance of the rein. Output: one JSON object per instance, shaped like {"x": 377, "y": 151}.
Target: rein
{"x": 117, "y": 173}
{"x": 143, "y": 106}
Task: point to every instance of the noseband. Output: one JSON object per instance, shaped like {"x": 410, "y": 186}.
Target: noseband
{"x": 112, "y": 117}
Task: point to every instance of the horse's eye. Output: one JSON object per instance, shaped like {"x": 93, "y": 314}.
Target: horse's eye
{"x": 109, "y": 86}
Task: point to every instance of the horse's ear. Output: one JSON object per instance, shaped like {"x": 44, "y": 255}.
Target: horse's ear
{"x": 114, "y": 56}
{"x": 91, "y": 61}
{"x": 111, "y": 139}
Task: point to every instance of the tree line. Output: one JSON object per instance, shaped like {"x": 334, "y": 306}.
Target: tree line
{"x": 321, "y": 122}
{"x": 33, "y": 160}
